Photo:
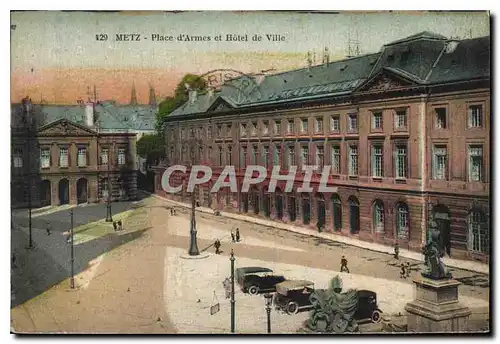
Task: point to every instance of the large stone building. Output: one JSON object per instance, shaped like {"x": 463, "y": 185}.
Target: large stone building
{"x": 67, "y": 162}
{"x": 406, "y": 131}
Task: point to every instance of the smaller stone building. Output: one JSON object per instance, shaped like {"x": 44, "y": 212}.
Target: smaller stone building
{"x": 69, "y": 163}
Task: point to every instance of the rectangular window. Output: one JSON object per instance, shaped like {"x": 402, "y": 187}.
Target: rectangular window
{"x": 209, "y": 132}
{"x": 221, "y": 161}
{"x": 353, "y": 160}
{"x": 401, "y": 161}
{"x": 229, "y": 129}
{"x": 219, "y": 130}
{"x": 475, "y": 116}
{"x": 336, "y": 159}
{"x": 303, "y": 126}
{"x": 243, "y": 130}
{"x": 320, "y": 158}
{"x": 276, "y": 154}
{"x": 335, "y": 123}
{"x": 121, "y": 156}
{"x": 17, "y": 158}
{"x": 265, "y": 156}
{"x": 400, "y": 119}
{"x": 440, "y": 118}
{"x": 290, "y": 127}
{"x": 277, "y": 128}
{"x": 291, "y": 156}
{"x": 45, "y": 158}
{"x": 353, "y": 122}
{"x": 377, "y": 120}
{"x": 304, "y": 156}
{"x": 104, "y": 156}
{"x": 440, "y": 161}
{"x": 82, "y": 156}
{"x": 253, "y": 156}
{"x": 475, "y": 163}
{"x": 243, "y": 157}
{"x": 253, "y": 128}
{"x": 229, "y": 160}
{"x": 318, "y": 127}
{"x": 378, "y": 161}
{"x": 265, "y": 128}
{"x": 63, "y": 157}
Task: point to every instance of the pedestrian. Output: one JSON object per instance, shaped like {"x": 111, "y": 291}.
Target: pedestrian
{"x": 120, "y": 225}
{"x": 227, "y": 287}
{"x": 396, "y": 251}
{"x": 232, "y": 236}
{"x": 408, "y": 269}
{"x": 237, "y": 235}
{"x": 69, "y": 237}
{"x": 48, "y": 228}
{"x": 172, "y": 211}
{"x": 402, "y": 273}
{"x": 217, "y": 246}
{"x": 115, "y": 226}
{"x": 343, "y": 265}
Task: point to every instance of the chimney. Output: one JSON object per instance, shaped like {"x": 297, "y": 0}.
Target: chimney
{"x": 193, "y": 95}
{"x": 89, "y": 114}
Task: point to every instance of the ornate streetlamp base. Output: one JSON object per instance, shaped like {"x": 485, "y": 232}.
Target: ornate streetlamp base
{"x": 193, "y": 247}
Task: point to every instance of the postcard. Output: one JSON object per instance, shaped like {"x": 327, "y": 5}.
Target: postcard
{"x": 258, "y": 172}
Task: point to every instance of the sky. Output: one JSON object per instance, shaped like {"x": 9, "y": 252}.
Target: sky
{"x": 55, "y": 56}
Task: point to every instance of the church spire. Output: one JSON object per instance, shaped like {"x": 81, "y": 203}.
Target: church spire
{"x": 133, "y": 98}
{"x": 152, "y": 96}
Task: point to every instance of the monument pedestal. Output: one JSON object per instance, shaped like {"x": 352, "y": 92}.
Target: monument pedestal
{"x": 436, "y": 307}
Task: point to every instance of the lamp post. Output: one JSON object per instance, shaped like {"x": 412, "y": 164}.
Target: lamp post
{"x": 269, "y": 301}
{"x": 109, "y": 217}
{"x": 233, "y": 316}
{"x": 193, "y": 243}
{"x": 28, "y": 122}
{"x": 72, "y": 280}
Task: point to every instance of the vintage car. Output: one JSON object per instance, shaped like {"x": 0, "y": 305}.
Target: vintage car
{"x": 293, "y": 295}
{"x": 367, "y": 307}
{"x": 254, "y": 280}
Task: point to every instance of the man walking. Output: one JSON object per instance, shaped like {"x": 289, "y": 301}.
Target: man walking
{"x": 232, "y": 236}
{"x": 217, "y": 246}
{"x": 48, "y": 228}
{"x": 343, "y": 265}
{"x": 237, "y": 235}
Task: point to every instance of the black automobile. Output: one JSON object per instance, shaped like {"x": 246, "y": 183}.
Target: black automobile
{"x": 253, "y": 280}
{"x": 293, "y": 295}
{"x": 367, "y": 307}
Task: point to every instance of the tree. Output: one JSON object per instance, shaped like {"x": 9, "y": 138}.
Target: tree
{"x": 151, "y": 147}
{"x": 181, "y": 95}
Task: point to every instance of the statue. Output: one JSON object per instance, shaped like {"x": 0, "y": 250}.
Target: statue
{"x": 435, "y": 269}
{"x": 333, "y": 311}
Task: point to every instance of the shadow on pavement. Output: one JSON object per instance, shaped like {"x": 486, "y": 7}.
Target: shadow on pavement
{"x": 49, "y": 262}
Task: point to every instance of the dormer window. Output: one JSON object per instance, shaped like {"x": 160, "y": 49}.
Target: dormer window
{"x": 343, "y": 68}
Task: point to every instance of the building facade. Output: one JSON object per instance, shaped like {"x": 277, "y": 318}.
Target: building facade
{"x": 405, "y": 131}
{"x": 69, "y": 163}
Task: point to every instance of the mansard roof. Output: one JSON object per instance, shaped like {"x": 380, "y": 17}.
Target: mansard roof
{"x": 425, "y": 59}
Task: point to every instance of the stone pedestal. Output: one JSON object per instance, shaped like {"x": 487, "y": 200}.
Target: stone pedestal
{"x": 436, "y": 307}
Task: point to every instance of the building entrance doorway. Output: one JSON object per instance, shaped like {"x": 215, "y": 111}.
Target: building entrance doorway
{"x": 63, "y": 191}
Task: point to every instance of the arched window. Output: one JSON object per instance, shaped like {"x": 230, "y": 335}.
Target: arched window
{"x": 337, "y": 212}
{"x": 479, "y": 238}
{"x": 402, "y": 221}
{"x": 354, "y": 214}
{"x": 378, "y": 216}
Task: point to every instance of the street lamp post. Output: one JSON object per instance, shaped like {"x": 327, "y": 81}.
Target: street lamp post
{"x": 193, "y": 243}
{"x": 233, "y": 316}
{"x": 269, "y": 300}
{"x": 72, "y": 280}
{"x": 109, "y": 217}
{"x": 29, "y": 131}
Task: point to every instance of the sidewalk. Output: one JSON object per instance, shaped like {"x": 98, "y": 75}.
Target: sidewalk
{"x": 456, "y": 263}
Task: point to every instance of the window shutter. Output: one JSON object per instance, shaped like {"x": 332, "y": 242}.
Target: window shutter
{"x": 469, "y": 117}
{"x": 50, "y": 156}
{"x": 87, "y": 157}
{"x": 69, "y": 156}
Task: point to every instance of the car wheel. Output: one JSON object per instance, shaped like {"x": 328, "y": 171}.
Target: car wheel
{"x": 253, "y": 290}
{"x": 292, "y": 307}
{"x": 376, "y": 317}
